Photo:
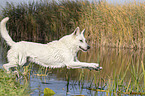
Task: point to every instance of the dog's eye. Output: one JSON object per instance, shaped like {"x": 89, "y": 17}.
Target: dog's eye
{"x": 81, "y": 40}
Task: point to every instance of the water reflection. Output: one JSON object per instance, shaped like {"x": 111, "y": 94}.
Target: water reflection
{"x": 111, "y": 59}
{"x": 75, "y": 81}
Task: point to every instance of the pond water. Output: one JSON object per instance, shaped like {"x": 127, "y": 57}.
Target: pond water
{"x": 59, "y": 86}
{"x": 68, "y": 82}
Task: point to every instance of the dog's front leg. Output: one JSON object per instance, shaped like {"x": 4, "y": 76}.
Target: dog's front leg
{"x": 83, "y": 65}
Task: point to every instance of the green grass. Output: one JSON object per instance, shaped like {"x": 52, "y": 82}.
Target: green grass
{"x": 10, "y": 85}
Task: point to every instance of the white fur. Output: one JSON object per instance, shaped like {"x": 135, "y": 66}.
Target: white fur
{"x": 56, "y": 54}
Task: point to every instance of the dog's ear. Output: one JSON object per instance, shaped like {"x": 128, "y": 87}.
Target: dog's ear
{"x": 83, "y": 32}
{"x": 76, "y": 31}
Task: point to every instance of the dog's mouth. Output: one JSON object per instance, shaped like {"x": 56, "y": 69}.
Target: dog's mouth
{"x": 83, "y": 48}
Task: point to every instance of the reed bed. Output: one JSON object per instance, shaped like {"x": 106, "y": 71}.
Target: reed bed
{"x": 106, "y": 24}
{"x": 42, "y": 22}
{"x": 115, "y": 25}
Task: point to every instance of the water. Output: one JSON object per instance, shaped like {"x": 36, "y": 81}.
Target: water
{"x": 58, "y": 86}
{"x": 57, "y": 80}
{"x": 65, "y": 82}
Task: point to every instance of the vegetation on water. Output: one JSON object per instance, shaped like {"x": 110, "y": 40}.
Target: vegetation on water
{"x": 106, "y": 25}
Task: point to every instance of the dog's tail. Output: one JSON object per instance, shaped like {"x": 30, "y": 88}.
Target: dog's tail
{"x": 4, "y": 32}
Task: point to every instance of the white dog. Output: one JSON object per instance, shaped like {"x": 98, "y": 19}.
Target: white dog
{"x": 56, "y": 54}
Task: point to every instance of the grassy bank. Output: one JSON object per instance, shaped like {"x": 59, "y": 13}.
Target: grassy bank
{"x": 10, "y": 85}
{"x": 106, "y": 24}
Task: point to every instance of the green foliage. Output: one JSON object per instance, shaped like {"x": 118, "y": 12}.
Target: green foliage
{"x": 10, "y": 86}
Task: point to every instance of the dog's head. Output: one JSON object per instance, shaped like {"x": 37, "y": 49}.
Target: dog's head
{"x": 80, "y": 40}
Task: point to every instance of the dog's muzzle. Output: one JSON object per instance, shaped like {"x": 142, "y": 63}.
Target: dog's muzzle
{"x": 88, "y": 47}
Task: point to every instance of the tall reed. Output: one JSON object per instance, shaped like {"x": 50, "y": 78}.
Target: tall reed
{"x": 42, "y": 22}
{"x": 106, "y": 24}
{"x": 114, "y": 25}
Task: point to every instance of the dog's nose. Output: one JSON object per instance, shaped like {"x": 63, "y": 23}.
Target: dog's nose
{"x": 88, "y": 47}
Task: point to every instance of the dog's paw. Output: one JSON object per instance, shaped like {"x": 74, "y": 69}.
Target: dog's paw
{"x": 95, "y": 67}
{"x": 98, "y": 68}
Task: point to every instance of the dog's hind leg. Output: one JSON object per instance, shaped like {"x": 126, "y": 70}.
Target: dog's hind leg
{"x": 14, "y": 58}
{"x": 22, "y": 59}
{"x": 14, "y": 64}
